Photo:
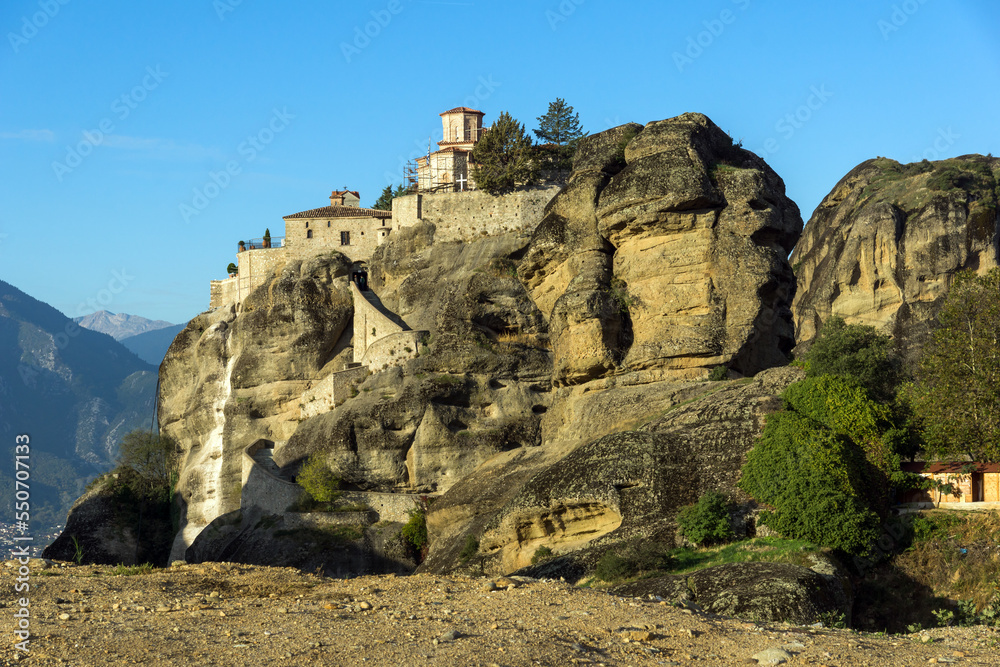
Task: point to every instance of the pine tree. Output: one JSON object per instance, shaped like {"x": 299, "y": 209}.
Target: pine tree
{"x": 503, "y": 159}
{"x": 384, "y": 201}
{"x": 559, "y": 126}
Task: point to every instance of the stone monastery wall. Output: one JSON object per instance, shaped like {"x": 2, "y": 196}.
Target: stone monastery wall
{"x": 464, "y": 216}
{"x": 254, "y": 265}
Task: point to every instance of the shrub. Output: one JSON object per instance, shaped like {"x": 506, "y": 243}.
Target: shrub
{"x": 814, "y": 479}
{"x": 707, "y": 521}
{"x": 414, "y": 530}
{"x": 318, "y": 480}
{"x": 632, "y": 560}
{"x": 612, "y": 567}
{"x": 470, "y": 549}
{"x": 718, "y": 374}
{"x": 541, "y": 553}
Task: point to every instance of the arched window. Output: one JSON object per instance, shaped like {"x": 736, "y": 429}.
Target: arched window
{"x": 309, "y": 234}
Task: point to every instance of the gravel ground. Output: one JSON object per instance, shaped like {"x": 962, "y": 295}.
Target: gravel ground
{"x": 232, "y": 614}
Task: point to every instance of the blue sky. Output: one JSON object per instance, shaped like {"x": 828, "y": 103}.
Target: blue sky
{"x": 113, "y": 115}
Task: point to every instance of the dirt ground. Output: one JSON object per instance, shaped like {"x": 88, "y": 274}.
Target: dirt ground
{"x": 231, "y": 614}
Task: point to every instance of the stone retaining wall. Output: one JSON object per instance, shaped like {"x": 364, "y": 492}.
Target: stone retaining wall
{"x": 263, "y": 490}
{"x": 464, "y": 216}
{"x": 331, "y": 391}
{"x": 388, "y": 506}
{"x": 254, "y": 265}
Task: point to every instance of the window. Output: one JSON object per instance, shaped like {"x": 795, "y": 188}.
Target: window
{"x": 309, "y": 233}
{"x": 345, "y": 238}
{"x": 307, "y": 224}
{"x": 327, "y": 223}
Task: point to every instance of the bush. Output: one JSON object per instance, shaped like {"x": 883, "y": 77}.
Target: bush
{"x": 318, "y": 480}
{"x": 718, "y": 374}
{"x": 815, "y": 480}
{"x": 632, "y": 560}
{"x": 470, "y": 549}
{"x": 541, "y": 553}
{"x": 414, "y": 530}
{"x": 707, "y": 521}
{"x": 612, "y": 567}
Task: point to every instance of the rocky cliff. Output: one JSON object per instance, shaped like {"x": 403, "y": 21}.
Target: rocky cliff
{"x": 663, "y": 258}
{"x": 883, "y": 246}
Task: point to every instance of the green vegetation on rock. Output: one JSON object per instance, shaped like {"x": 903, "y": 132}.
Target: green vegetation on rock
{"x": 707, "y": 521}
{"x": 321, "y": 483}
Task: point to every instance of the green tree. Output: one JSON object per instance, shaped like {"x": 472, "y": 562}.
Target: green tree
{"x": 957, "y": 391}
{"x": 559, "y": 130}
{"x": 859, "y": 352}
{"x": 813, "y": 478}
{"x": 559, "y": 126}
{"x": 384, "y": 201}
{"x": 153, "y": 459}
{"x": 503, "y": 159}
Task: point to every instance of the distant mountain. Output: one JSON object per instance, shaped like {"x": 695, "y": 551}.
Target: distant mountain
{"x": 75, "y": 392}
{"x": 119, "y": 325}
{"x": 152, "y": 346}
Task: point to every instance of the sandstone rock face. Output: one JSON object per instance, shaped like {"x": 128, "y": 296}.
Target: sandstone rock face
{"x": 665, "y": 253}
{"x": 227, "y": 381}
{"x": 612, "y": 490}
{"x": 882, "y": 248}
{"x": 111, "y": 526}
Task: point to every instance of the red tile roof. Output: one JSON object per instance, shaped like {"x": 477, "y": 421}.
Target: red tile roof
{"x": 340, "y": 212}
{"x": 345, "y": 192}
{"x": 953, "y": 467}
{"x": 453, "y": 149}
{"x": 461, "y": 110}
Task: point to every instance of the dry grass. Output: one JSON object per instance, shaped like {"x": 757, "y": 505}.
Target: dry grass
{"x": 936, "y": 559}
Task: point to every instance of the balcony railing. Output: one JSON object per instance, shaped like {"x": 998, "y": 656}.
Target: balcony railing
{"x": 257, "y": 244}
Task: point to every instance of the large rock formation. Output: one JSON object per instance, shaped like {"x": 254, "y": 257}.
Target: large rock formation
{"x": 665, "y": 253}
{"x": 760, "y": 591}
{"x": 623, "y": 487}
{"x": 883, "y": 247}
{"x": 229, "y": 380}
{"x": 663, "y": 258}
